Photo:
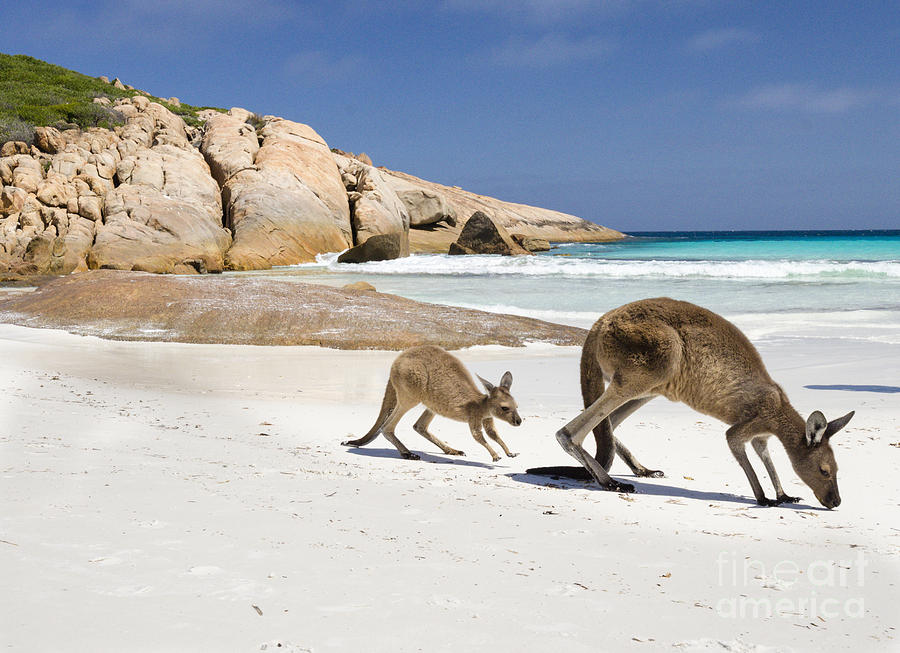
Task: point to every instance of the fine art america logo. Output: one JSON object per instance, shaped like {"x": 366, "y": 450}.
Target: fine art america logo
{"x": 824, "y": 589}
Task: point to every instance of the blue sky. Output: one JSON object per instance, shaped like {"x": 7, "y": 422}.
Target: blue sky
{"x": 637, "y": 114}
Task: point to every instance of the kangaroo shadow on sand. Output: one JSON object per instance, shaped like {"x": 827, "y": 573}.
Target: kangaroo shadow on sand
{"x": 887, "y": 389}
{"x": 654, "y": 489}
{"x": 423, "y": 457}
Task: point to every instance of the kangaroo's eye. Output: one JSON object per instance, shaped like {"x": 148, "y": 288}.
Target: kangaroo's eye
{"x": 824, "y": 472}
{"x": 505, "y": 409}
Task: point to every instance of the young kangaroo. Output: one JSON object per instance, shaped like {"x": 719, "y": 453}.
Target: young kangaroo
{"x": 686, "y": 353}
{"x": 430, "y": 376}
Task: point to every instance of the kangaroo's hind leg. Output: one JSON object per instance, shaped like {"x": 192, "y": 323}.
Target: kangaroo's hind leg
{"x": 421, "y": 427}
{"x": 571, "y": 436}
{"x": 388, "y": 403}
{"x": 387, "y": 430}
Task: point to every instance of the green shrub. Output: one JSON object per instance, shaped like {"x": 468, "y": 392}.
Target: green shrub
{"x": 16, "y": 130}
{"x": 256, "y": 121}
{"x": 34, "y": 92}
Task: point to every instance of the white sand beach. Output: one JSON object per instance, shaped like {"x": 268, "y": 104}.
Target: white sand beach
{"x": 174, "y": 497}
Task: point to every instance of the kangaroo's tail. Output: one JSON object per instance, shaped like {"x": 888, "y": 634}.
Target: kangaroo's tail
{"x": 592, "y": 386}
{"x": 387, "y": 406}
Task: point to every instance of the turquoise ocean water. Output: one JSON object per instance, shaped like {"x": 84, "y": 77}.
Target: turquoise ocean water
{"x": 774, "y": 283}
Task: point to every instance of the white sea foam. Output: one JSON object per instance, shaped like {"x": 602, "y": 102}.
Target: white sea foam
{"x": 562, "y": 266}
{"x": 865, "y": 326}
{"x": 574, "y": 318}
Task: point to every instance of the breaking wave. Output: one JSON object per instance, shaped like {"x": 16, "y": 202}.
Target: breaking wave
{"x": 563, "y": 266}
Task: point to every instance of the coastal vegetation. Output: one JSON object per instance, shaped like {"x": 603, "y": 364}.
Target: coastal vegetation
{"x": 35, "y": 93}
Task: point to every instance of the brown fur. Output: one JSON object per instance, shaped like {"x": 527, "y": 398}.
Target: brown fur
{"x": 431, "y": 376}
{"x": 686, "y": 353}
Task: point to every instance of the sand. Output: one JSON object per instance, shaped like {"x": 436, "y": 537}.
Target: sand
{"x": 178, "y": 497}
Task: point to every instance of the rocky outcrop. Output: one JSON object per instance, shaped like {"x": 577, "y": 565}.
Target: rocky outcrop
{"x": 375, "y": 209}
{"x": 380, "y": 247}
{"x": 362, "y": 286}
{"x": 253, "y": 311}
{"x": 229, "y": 145}
{"x": 246, "y": 192}
{"x": 482, "y": 235}
{"x": 140, "y": 197}
{"x": 48, "y": 139}
{"x": 285, "y": 202}
{"x": 425, "y": 205}
{"x": 165, "y": 211}
{"x": 532, "y": 244}
{"x": 516, "y": 218}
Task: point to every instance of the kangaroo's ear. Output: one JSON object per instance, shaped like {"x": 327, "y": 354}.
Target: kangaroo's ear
{"x": 506, "y": 381}
{"x": 815, "y": 428}
{"x": 487, "y": 384}
{"x": 836, "y": 425}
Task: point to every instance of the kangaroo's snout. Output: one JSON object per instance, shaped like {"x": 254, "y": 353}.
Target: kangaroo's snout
{"x": 516, "y": 420}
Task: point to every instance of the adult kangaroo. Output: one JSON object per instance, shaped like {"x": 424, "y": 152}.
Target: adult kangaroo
{"x": 431, "y": 376}
{"x": 664, "y": 347}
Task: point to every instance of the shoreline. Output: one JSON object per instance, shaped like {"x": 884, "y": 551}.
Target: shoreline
{"x": 176, "y": 486}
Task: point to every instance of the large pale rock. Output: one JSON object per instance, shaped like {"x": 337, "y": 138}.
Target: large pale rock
{"x": 55, "y": 191}
{"x": 69, "y": 162}
{"x": 90, "y": 207}
{"x": 27, "y": 176}
{"x": 515, "y": 218}
{"x": 229, "y": 146}
{"x": 10, "y": 148}
{"x": 70, "y": 249}
{"x": 165, "y": 214}
{"x": 297, "y": 147}
{"x": 290, "y": 205}
{"x": 152, "y": 124}
{"x": 38, "y": 253}
{"x": 482, "y": 235}
{"x": 425, "y": 205}
{"x": 12, "y": 200}
{"x": 361, "y": 286}
{"x": 375, "y": 207}
{"x": 143, "y": 229}
{"x": 532, "y": 244}
{"x": 48, "y": 139}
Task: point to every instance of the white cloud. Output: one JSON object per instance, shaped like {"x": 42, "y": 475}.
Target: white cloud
{"x": 719, "y": 38}
{"x": 808, "y": 98}
{"x": 549, "y": 50}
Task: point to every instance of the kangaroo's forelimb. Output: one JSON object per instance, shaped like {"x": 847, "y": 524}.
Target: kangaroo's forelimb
{"x": 421, "y": 427}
